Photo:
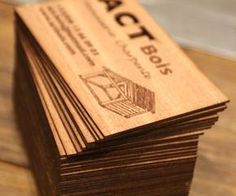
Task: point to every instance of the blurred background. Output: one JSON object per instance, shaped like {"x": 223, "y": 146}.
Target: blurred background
{"x": 206, "y": 30}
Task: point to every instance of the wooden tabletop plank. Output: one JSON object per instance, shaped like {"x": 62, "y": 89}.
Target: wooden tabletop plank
{"x": 16, "y": 180}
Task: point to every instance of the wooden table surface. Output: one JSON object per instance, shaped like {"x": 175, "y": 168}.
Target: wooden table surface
{"x": 215, "y": 172}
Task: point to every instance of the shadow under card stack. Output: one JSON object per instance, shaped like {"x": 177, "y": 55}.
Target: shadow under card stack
{"x": 107, "y": 103}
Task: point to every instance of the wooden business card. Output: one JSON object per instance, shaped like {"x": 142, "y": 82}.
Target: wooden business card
{"x": 119, "y": 63}
{"x": 113, "y": 106}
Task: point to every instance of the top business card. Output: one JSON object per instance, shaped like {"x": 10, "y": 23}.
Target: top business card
{"x": 120, "y": 64}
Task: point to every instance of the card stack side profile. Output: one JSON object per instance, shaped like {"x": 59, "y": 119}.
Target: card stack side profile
{"x": 106, "y": 102}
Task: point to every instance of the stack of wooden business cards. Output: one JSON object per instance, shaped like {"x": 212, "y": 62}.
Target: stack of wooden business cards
{"x": 107, "y": 103}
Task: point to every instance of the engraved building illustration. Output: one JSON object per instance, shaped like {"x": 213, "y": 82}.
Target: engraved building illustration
{"x": 119, "y": 94}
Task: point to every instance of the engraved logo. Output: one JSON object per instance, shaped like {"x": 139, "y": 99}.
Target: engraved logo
{"x": 119, "y": 94}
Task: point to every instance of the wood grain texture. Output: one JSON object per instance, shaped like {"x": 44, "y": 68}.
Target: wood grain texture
{"x": 215, "y": 172}
{"x": 16, "y": 180}
{"x": 216, "y": 165}
{"x": 11, "y": 144}
{"x": 111, "y": 63}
